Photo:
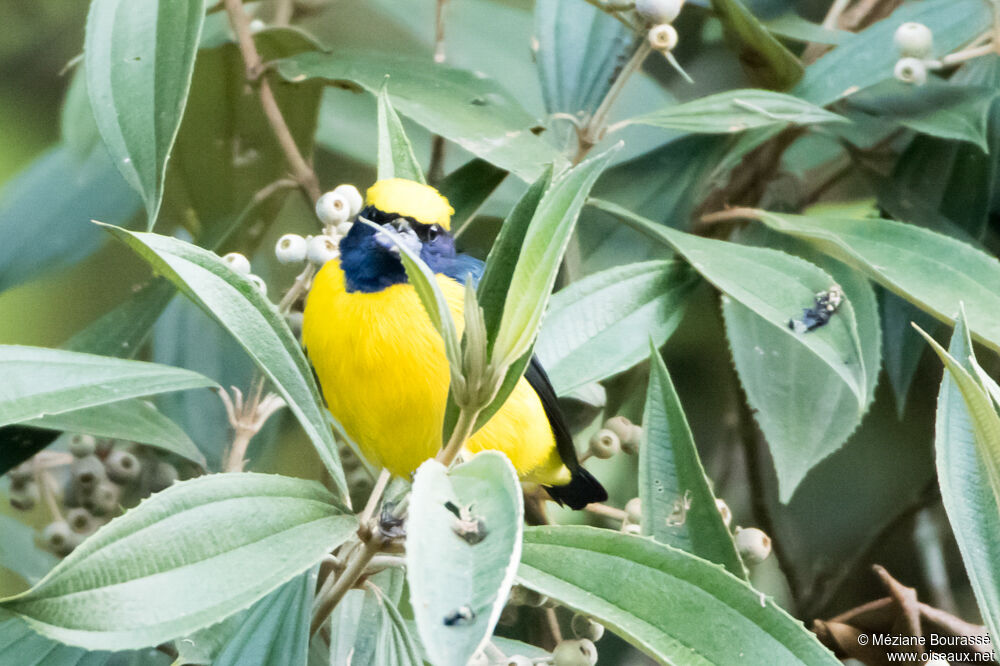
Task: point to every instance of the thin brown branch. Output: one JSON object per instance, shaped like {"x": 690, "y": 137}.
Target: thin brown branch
{"x": 302, "y": 171}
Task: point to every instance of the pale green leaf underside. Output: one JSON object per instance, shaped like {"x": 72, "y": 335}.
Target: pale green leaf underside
{"x": 395, "y": 152}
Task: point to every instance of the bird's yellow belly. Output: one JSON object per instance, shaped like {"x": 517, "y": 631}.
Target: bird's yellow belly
{"x": 384, "y": 374}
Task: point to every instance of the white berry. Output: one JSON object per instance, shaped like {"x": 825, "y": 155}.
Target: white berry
{"x": 290, "y": 249}
{"x": 634, "y": 510}
{"x": 322, "y": 249}
{"x": 604, "y": 444}
{"x": 584, "y": 627}
{"x": 332, "y": 209}
{"x": 238, "y": 262}
{"x": 579, "y": 652}
{"x": 914, "y": 40}
{"x": 662, "y": 37}
{"x": 658, "y": 11}
{"x": 344, "y": 228}
{"x": 353, "y": 197}
{"x": 911, "y": 70}
{"x": 753, "y": 545}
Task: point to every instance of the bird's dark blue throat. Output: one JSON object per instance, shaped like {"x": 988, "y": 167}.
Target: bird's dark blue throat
{"x": 369, "y": 266}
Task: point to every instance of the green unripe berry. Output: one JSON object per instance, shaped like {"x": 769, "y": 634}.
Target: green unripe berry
{"x": 164, "y": 475}
{"x": 24, "y": 496}
{"x": 82, "y": 445}
{"x": 753, "y": 544}
{"x": 658, "y": 11}
{"x": 237, "y": 262}
{"x": 604, "y": 444}
{"x": 104, "y": 499}
{"x": 58, "y": 538}
{"x": 81, "y": 521}
{"x": 578, "y": 652}
{"x": 584, "y": 627}
{"x": 88, "y": 471}
{"x": 122, "y": 466}
{"x": 290, "y": 249}
{"x": 914, "y": 40}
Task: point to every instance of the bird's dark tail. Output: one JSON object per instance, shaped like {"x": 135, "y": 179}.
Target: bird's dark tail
{"x": 581, "y": 490}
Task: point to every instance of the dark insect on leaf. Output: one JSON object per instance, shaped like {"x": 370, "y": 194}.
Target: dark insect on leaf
{"x": 824, "y": 307}
{"x": 460, "y": 617}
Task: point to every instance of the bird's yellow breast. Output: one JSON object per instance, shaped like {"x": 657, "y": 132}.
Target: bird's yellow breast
{"x": 385, "y": 377}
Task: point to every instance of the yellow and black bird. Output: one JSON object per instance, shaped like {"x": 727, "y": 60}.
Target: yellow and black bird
{"x": 381, "y": 363}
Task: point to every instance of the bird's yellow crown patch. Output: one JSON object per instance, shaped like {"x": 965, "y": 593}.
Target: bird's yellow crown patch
{"x": 407, "y": 197}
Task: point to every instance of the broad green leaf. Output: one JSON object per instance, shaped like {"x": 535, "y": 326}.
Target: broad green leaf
{"x": 936, "y": 108}
{"x": 467, "y": 188}
{"x": 253, "y": 320}
{"x": 276, "y": 629}
{"x": 139, "y": 57}
{"x": 866, "y": 58}
{"x": 765, "y": 60}
{"x": 45, "y": 211}
{"x": 792, "y": 26}
{"x": 903, "y": 346}
{"x": 40, "y": 381}
{"x": 965, "y": 491}
{"x": 580, "y": 50}
{"x": 678, "y": 507}
{"x": 77, "y": 128}
{"x": 458, "y": 586}
{"x": 663, "y": 600}
{"x": 737, "y": 111}
{"x": 468, "y": 109}
{"x": 22, "y": 646}
{"x": 132, "y": 420}
{"x": 226, "y": 151}
{"x": 930, "y": 270}
{"x": 602, "y": 324}
{"x": 366, "y": 628}
{"x": 802, "y": 406}
{"x": 129, "y": 585}
{"x": 395, "y": 153}
{"x": 19, "y": 554}
{"x": 540, "y": 256}
{"x": 121, "y": 332}
{"x": 775, "y": 285}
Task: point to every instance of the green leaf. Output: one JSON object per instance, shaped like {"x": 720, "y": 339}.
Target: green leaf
{"x": 129, "y": 585}
{"x": 395, "y": 153}
{"x": 936, "y": 108}
{"x": 449, "y": 574}
{"x": 132, "y": 420}
{"x": 366, "y": 628}
{"x": 467, "y": 188}
{"x": 254, "y": 321}
{"x": 139, "y": 57}
{"x": 662, "y": 600}
{"x": 541, "y": 255}
{"x": 226, "y": 152}
{"x": 930, "y": 270}
{"x": 19, "y": 554}
{"x": 775, "y": 285}
{"x": 276, "y": 629}
{"x": 45, "y": 211}
{"x": 40, "y": 381}
{"x": 22, "y": 646}
{"x": 737, "y": 111}
{"x": 678, "y": 507}
{"x": 793, "y": 27}
{"x": 580, "y": 51}
{"x": 865, "y": 58}
{"x": 120, "y": 332}
{"x": 471, "y": 110}
{"x": 601, "y": 325}
{"x": 903, "y": 346}
{"x": 802, "y": 406}
{"x": 765, "y": 60}
{"x": 968, "y": 498}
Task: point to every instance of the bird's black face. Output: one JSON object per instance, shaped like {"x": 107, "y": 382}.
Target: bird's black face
{"x": 370, "y": 260}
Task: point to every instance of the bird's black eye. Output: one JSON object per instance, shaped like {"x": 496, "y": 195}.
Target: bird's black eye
{"x": 433, "y": 232}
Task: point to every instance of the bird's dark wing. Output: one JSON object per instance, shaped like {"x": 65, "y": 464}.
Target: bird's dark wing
{"x": 583, "y": 488}
{"x": 20, "y": 442}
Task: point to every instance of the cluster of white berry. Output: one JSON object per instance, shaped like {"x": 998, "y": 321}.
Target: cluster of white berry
{"x": 915, "y": 42}
{"x": 578, "y": 651}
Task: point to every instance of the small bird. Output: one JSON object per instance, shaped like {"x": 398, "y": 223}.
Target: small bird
{"x": 381, "y": 363}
